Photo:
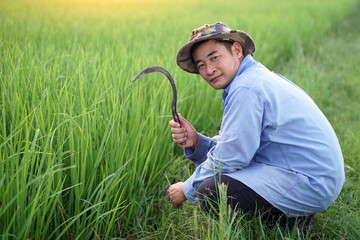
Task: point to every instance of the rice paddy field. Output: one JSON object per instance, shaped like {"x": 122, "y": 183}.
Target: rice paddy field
{"x": 85, "y": 154}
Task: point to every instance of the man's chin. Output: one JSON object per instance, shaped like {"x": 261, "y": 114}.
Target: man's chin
{"x": 217, "y": 87}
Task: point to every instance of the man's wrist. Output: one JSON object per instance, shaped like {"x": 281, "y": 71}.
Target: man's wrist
{"x": 196, "y": 142}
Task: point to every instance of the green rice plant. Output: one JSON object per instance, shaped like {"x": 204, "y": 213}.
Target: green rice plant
{"x": 222, "y": 225}
{"x": 84, "y": 154}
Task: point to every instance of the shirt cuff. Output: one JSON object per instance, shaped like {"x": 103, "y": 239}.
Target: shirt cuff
{"x": 199, "y": 154}
{"x": 189, "y": 191}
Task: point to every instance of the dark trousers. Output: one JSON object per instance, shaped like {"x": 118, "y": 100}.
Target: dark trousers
{"x": 241, "y": 197}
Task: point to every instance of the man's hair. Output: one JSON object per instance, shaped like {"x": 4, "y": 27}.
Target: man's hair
{"x": 228, "y": 44}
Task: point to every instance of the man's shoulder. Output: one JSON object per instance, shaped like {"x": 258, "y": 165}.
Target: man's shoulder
{"x": 251, "y": 77}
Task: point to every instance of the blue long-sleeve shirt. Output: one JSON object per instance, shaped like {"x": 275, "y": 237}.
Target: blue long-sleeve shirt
{"x": 275, "y": 140}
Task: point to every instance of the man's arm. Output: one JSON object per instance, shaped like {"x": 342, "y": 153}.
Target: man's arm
{"x": 196, "y": 145}
{"x": 238, "y": 141}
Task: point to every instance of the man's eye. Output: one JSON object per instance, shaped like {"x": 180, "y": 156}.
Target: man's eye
{"x": 215, "y": 57}
{"x": 200, "y": 66}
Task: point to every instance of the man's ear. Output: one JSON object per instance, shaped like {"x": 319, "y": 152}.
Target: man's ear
{"x": 237, "y": 49}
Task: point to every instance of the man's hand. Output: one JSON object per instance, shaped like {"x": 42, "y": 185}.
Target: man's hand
{"x": 184, "y": 135}
{"x": 176, "y": 195}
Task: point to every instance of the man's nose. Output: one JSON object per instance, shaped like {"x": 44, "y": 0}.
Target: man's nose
{"x": 210, "y": 69}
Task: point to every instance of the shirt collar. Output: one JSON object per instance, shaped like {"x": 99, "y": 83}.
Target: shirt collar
{"x": 245, "y": 64}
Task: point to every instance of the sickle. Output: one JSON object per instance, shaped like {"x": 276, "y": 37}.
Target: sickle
{"x": 171, "y": 80}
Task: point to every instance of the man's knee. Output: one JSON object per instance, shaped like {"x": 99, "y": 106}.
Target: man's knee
{"x": 207, "y": 195}
{"x": 206, "y": 190}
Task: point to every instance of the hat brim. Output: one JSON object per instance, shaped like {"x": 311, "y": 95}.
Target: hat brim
{"x": 184, "y": 59}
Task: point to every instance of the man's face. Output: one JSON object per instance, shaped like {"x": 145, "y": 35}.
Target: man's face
{"x": 216, "y": 64}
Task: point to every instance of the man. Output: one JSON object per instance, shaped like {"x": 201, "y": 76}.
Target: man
{"x": 276, "y": 151}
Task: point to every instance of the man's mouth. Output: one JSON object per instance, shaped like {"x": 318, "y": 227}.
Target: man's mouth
{"x": 214, "y": 79}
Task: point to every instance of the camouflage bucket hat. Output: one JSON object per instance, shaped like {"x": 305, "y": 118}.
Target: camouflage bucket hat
{"x": 207, "y": 32}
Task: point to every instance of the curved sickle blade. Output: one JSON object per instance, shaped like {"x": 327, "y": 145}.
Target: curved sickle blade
{"x": 171, "y": 80}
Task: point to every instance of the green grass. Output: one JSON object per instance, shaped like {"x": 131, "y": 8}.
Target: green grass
{"x": 86, "y": 155}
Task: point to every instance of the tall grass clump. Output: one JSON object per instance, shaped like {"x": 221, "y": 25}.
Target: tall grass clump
{"x": 84, "y": 154}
